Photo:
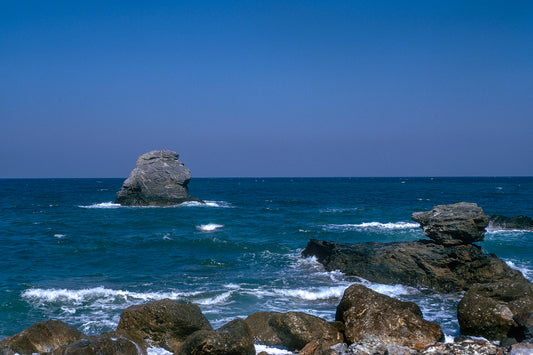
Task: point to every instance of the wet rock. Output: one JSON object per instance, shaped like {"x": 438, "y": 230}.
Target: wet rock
{"x": 262, "y": 332}
{"x": 498, "y": 222}
{"x": 40, "y": 338}
{"x": 524, "y": 329}
{"x": 118, "y": 342}
{"x": 159, "y": 179}
{"x": 419, "y": 264}
{"x": 368, "y": 313}
{"x": 166, "y": 323}
{"x": 297, "y": 329}
{"x": 457, "y": 224}
{"x": 467, "y": 347}
{"x": 490, "y": 310}
{"x": 371, "y": 345}
{"x": 234, "y": 338}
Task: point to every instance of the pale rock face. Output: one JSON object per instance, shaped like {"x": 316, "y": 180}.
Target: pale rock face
{"x": 159, "y": 179}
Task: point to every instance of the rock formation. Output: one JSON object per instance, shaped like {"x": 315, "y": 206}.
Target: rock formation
{"x": 367, "y": 313}
{"x": 498, "y": 222}
{"x": 159, "y": 179}
{"x": 447, "y": 263}
{"x": 457, "y": 224}
{"x": 497, "y": 310}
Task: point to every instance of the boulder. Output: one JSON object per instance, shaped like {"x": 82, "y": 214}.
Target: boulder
{"x": 166, "y": 323}
{"x": 490, "y": 310}
{"x": 159, "y": 179}
{"x": 457, "y": 224}
{"x": 419, "y": 264}
{"x": 369, "y": 313}
{"x": 297, "y": 329}
{"x": 262, "y": 332}
{"x": 118, "y": 342}
{"x": 40, "y": 338}
{"x": 498, "y": 222}
{"x": 234, "y": 338}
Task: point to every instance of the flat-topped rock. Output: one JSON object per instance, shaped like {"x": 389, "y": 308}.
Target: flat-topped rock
{"x": 159, "y": 179}
{"x": 457, "y": 224}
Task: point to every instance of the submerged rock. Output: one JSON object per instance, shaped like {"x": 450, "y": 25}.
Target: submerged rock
{"x": 498, "y": 222}
{"x": 40, "y": 338}
{"x": 457, "y": 224}
{"x": 419, "y": 264}
{"x": 497, "y": 311}
{"x": 159, "y": 179}
{"x": 365, "y": 312}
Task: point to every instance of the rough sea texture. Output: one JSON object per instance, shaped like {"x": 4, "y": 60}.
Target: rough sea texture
{"x": 69, "y": 253}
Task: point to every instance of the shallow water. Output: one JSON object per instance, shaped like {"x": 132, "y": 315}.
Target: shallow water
{"x": 70, "y": 253}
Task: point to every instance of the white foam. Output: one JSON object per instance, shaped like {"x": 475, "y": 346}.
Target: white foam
{"x": 217, "y": 204}
{"x": 390, "y": 290}
{"x": 528, "y": 273}
{"x": 219, "y": 299}
{"x": 209, "y": 227}
{"x": 312, "y": 294}
{"x": 59, "y": 236}
{"x": 103, "y": 205}
{"x": 271, "y": 351}
{"x": 372, "y": 226}
{"x": 154, "y": 350}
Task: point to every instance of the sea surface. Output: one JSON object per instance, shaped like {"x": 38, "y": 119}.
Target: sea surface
{"x": 69, "y": 253}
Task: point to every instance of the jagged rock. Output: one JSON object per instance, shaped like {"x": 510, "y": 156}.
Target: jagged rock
{"x": 262, "y": 332}
{"x": 371, "y": 345}
{"x": 369, "y": 313}
{"x": 40, "y": 338}
{"x": 166, "y": 323}
{"x": 488, "y": 310}
{"x": 234, "y": 338}
{"x": 498, "y": 222}
{"x": 297, "y": 329}
{"x": 118, "y": 342}
{"x": 419, "y": 263}
{"x": 457, "y": 224}
{"x": 159, "y": 179}
{"x": 466, "y": 347}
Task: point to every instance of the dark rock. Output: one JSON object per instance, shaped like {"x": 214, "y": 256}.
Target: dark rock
{"x": 457, "y": 224}
{"x": 489, "y": 310}
{"x": 262, "y": 332}
{"x": 470, "y": 347}
{"x": 369, "y": 313}
{"x": 498, "y": 222}
{"x": 297, "y": 329}
{"x": 40, "y": 338}
{"x": 524, "y": 328}
{"x": 420, "y": 263}
{"x": 234, "y": 338}
{"x": 159, "y": 179}
{"x": 371, "y": 345}
{"x": 118, "y": 342}
{"x": 166, "y": 323}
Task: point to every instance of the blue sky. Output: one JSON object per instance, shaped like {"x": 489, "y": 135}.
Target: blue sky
{"x": 267, "y": 88}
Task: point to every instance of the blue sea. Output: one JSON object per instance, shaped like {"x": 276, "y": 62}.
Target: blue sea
{"x": 70, "y": 253}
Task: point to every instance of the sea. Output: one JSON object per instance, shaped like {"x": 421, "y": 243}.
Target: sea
{"x": 68, "y": 252}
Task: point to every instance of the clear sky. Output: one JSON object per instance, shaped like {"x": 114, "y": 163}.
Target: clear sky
{"x": 267, "y": 88}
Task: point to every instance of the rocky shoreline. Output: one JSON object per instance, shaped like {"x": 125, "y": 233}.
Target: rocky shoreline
{"x": 497, "y": 305}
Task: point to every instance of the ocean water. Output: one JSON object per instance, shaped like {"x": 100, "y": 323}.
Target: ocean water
{"x": 70, "y": 253}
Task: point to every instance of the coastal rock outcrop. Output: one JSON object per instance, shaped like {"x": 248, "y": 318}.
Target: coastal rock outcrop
{"x": 457, "y": 224}
{"x": 159, "y": 179}
{"x": 166, "y": 323}
{"x": 497, "y": 310}
{"x": 40, "y": 338}
{"x": 498, "y": 222}
{"x": 365, "y": 312}
{"x": 117, "y": 342}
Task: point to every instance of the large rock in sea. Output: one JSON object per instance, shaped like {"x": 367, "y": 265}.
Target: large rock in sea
{"x": 118, "y": 342}
{"x": 365, "y": 312}
{"x": 498, "y": 222}
{"x": 40, "y": 338}
{"x": 159, "y": 179}
{"x": 420, "y": 263}
{"x": 497, "y": 311}
{"x": 457, "y": 224}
